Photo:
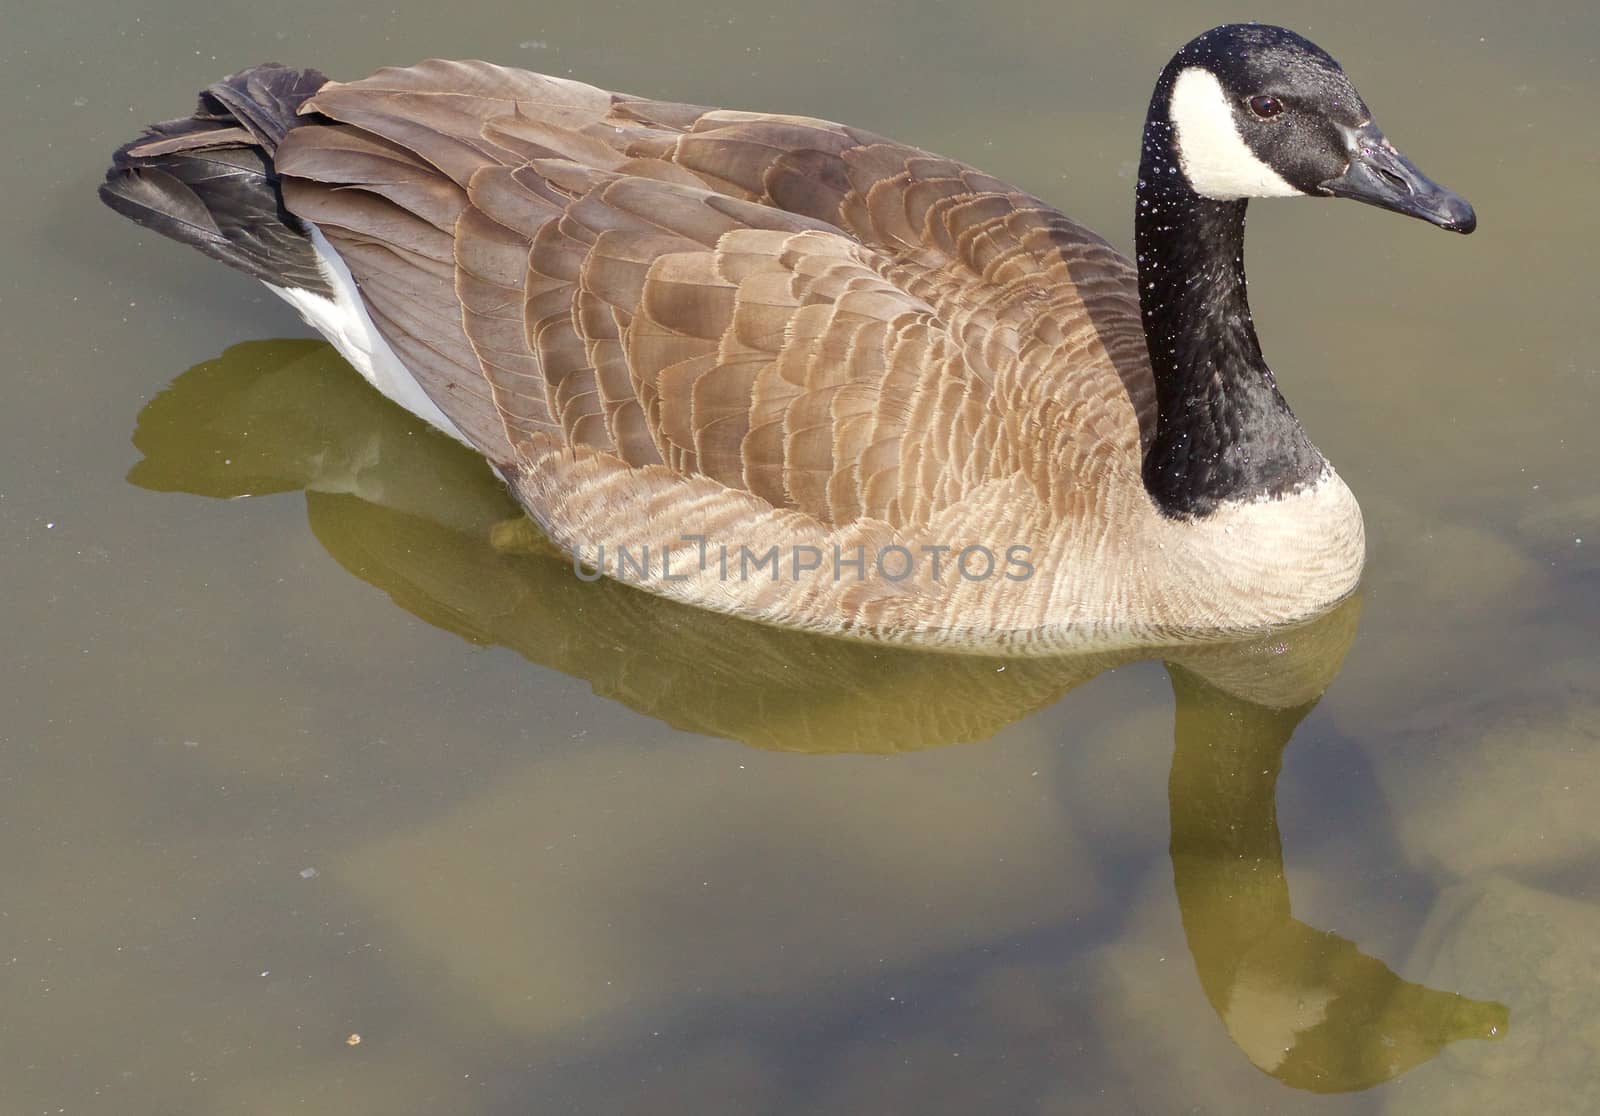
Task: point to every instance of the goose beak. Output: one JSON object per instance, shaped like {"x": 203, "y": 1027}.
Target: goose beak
{"x": 1379, "y": 175}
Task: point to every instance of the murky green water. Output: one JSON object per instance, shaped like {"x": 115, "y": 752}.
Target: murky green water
{"x": 302, "y": 738}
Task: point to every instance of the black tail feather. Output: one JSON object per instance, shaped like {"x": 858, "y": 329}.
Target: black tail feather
{"x": 207, "y": 180}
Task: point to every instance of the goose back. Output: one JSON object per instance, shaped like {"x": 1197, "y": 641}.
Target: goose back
{"x": 836, "y": 323}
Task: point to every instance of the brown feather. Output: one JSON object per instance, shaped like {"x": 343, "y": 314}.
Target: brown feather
{"x": 664, "y": 319}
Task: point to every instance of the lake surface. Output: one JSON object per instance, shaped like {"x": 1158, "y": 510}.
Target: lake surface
{"x": 325, "y": 787}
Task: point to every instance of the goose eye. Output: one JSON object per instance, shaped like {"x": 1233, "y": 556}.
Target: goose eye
{"x": 1265, "y": 107}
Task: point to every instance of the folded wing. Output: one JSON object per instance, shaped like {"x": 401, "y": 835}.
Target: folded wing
{"x": 834, "y": 323}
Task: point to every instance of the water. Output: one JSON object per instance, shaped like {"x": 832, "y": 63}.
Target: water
{"x": 355, "y": 756}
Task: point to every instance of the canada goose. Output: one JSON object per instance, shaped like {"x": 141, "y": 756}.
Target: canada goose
{"x": 789, "y": 370}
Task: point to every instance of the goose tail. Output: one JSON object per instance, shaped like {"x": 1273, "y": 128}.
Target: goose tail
{"x": 207, "y": 180}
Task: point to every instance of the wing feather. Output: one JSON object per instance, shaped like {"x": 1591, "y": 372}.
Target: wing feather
{"x": 836, "y": 324}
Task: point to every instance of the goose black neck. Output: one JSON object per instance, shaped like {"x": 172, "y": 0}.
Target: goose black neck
{"x": 1223, "y": 430}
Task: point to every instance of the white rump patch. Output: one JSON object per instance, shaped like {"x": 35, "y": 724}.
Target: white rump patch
{"x": 343, "y": 320}
{"x": 1215, "y": 159}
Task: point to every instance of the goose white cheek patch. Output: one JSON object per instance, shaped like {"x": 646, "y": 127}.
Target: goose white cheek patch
{"x": 1215, "y": 159}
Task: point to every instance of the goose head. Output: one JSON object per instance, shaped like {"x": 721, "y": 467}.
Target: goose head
{"x": 1249, "y": 110}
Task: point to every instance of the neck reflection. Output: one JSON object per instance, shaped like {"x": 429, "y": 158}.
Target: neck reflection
{"x": 1304, "y": 1005}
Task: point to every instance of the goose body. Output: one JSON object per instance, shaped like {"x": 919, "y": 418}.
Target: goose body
{"x": 786, "y": 369}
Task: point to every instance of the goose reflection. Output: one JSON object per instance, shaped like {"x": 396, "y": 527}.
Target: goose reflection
{"x": 419, "y": 517}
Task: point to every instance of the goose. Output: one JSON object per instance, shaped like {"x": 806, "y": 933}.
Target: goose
{"x": 793, "y": 371}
